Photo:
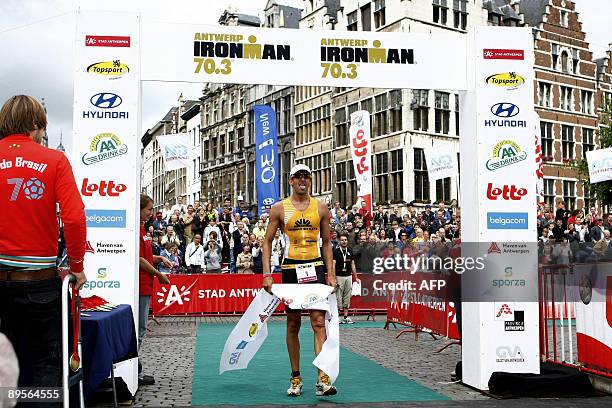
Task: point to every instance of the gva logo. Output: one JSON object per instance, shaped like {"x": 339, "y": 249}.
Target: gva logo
{"x": 104, "y": 188}
{"x": 442, "y": 161}
{"x": 602, "y": 164}
{"x": 507, "y": 354}
{"x": 173, "y": 295}
{"x": 176, "y": 152}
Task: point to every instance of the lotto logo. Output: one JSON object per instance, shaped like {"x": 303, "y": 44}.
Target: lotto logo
{"x": 103, "y": 188}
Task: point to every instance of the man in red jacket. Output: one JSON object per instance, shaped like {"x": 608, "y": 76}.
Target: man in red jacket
{"x": 33, "y": 179}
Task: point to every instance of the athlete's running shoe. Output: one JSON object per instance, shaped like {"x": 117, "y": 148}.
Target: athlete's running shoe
{"x": 296, "y": 387}
{"x": 348, "y": 320}
{"x": 324, "y": 387}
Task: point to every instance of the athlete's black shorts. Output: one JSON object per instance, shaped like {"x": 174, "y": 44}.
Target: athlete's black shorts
{"x": 289, "y": 275}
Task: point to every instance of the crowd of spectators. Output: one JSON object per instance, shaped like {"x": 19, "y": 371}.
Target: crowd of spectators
{"x": 206, "y": 238}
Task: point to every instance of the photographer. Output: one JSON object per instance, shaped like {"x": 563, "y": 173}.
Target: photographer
{"x": 212, "y": 256}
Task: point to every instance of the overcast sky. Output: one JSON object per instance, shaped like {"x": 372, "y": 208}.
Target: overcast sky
{"x": 36, "y": 40}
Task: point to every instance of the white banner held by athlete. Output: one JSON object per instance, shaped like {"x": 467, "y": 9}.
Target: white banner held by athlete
{"x": 175, "y": 151}
{"x": 249, "y": 334}
{"x": 600, "y": 165}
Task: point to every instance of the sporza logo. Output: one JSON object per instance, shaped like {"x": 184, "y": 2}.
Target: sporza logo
{"x": 105, "y": 218}
{"x": 112, "y": 69}
{"x": 508, "y": 80}
{"x": 505, "y": 153}
{"x": 101, "y": 281}
{"x": 505, "y": 110}
{"x": 507, "y": 220}
{"x": 103, "y": 147}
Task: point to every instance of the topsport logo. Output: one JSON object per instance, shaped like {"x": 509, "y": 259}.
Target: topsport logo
{"x": 112, "y": 69}
{"x": 508, "y": 80}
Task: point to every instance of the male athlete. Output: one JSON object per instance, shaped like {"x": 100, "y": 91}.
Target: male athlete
{"x": 303, "y": 220}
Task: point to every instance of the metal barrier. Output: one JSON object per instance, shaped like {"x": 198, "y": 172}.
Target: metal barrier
{"x": 560, "y": 322}
{"x": 77, "y": 378}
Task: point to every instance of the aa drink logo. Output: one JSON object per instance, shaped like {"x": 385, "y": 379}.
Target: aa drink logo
{"x": 508, "y": 80}
{"x": 103, "y": 188}
{"x": 103, "y": 147}
{"x": 110, "y": 69}
{"x": 505, "y": 153}
{"x": 171, "y": 294}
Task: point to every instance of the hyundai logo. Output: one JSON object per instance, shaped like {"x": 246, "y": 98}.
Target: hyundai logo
{"x": 106, "y": 100}
{"x": 268, "y": 201}
{"x": 505, "y": 110}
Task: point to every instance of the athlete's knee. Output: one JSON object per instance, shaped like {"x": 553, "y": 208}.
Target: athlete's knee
{"x": 293, "y": 324}
{"x": 318, "y": 323}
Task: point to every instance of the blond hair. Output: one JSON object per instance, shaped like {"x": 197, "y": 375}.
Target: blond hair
{"x": 22, "y": 114}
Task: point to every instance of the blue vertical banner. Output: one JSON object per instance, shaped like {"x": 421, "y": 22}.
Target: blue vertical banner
{"x": 266, "y": 157}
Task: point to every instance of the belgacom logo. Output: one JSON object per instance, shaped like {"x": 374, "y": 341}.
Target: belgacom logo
{"x": 173, "y": 295}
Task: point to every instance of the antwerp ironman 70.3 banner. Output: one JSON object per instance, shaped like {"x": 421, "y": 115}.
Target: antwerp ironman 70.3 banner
{"x": 200, "y": 53}
{"x": 105, "y": 156}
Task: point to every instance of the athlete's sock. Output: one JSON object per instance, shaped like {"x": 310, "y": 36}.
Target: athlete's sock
{"x": 295, "y": 374}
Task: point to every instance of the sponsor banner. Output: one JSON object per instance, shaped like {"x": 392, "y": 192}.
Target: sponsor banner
{"x": 361, "y": 152}
{"x": 600, "y": 165}
{"x": 175, "y": 150}
{"x": 200, "y": 53}
{"x": 491, "y": 53}
{"x": 266, "y": 157}
{"x": 430, "y": 309}
{"x": 441, "y": 163}
{"x": 214, "y": 293}
{"x": 105, "y": 155}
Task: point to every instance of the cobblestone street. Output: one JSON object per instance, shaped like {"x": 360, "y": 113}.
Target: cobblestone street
{"x": 168, "y": 355}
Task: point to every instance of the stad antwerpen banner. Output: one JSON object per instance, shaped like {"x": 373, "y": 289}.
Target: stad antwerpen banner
{"x": 200, "y": 53}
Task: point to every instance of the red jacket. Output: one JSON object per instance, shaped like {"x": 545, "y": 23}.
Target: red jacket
{"x": 33, "y": 179}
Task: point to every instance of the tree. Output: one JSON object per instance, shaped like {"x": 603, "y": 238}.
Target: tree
{"x": 600, "y": 192}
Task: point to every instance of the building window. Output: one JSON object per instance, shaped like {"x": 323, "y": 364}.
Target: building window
{"x": 240, "y": 140}
{"x": 231, "y": 142}
{"x": 442, "y": 112}
{"x": 606, "y": 100}
{"x": 222, "y": 145}
{"x": 379, "y": 13}
{"x": 396, "y": 110}
{"x": 206, "y": 151}
{"x": 460, "y": 14}
{"x": 366, "y": 17}
{"x": 351, "y": 19}
{"x": 544, "y": 94}
{"x": 457, "y": 115}
{"x": 380, "y": 115}
{"x": 576, "y": 60}
{"x": 555, "y": 55}
{"x": 341, "y": 127}
{"x": 420, "y": 106}
{"x": 546, "y": 135}
{"x": 586, "y": 190}
{"x": 564, "y": 18}
{"x": 564, "y": 62}
{"x": 588, "y": 141}
{"x": 567, "y": 142}
{"x": 549, "y": 192}
{"x": 566, "y": 98}
{"x": 586, "y": 99}
{"x": 381, "y": 177}
{"x": 440, "y": 11}
{"x": 569, "y": 194}
{"x": 397, "y": 172}
{"x": 443, "y": 189}
{"x": 421, "y": 178}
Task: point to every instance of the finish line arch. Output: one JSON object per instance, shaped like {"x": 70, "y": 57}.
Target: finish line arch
{"x": 115, "y": 52}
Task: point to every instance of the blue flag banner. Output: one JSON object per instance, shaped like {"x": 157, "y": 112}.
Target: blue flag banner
{"x": 266, "y": 157}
